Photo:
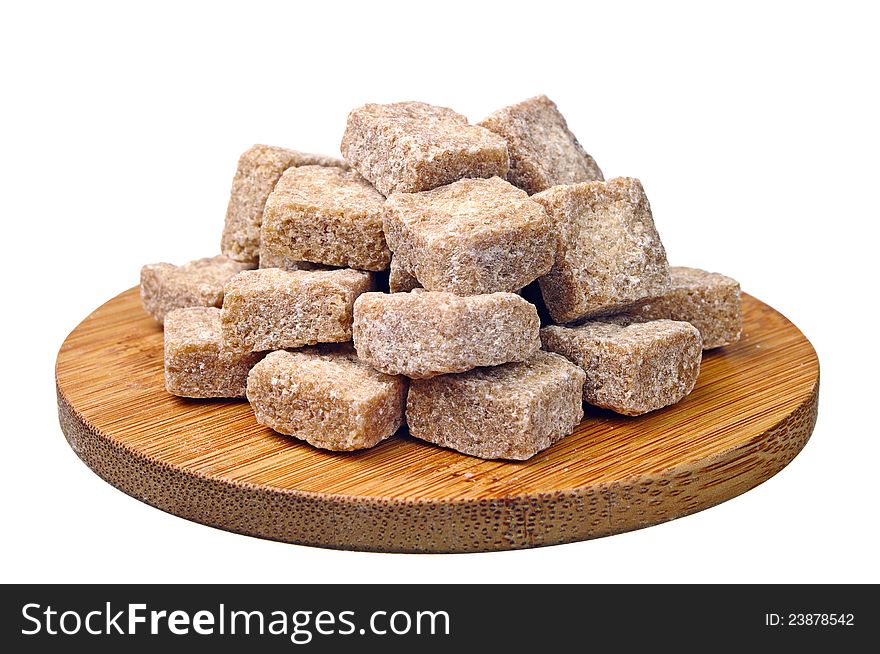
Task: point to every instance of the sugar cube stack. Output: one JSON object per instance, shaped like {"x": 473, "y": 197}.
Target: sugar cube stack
{"x": 521, "y": 285}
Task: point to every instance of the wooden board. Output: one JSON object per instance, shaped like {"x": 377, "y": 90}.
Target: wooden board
{"x": 752, "y": 411}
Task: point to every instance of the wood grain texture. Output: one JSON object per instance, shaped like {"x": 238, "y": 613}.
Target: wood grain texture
{"x": 752, "y": 411}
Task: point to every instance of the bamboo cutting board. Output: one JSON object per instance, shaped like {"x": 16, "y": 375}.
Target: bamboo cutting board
{"x": 752, "y": 411}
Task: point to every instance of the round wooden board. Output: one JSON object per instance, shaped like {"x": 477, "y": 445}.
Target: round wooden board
{"x": 752, "y": 411}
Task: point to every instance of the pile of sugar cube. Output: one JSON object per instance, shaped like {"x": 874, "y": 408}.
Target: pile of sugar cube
{"x": 476, "y": 283}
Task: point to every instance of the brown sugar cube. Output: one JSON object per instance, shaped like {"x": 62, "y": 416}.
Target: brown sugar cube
{"x": 609, "y": 257}
{"x": 709, "y": 301}
{"x": 194, "y": 364}
{"x": 199, "y": 283}
{"x": 511, "y": 411}
{"x": 471, "y": 237}
{"x": 412, "y": 146}
{"x": 272, "y": 309}
{"x": 325, "y": 215}
{"x": 326, "y": 397}
{"x": 425, "y": 333}
{"x": 543, "y": 151}
{"x": 632, "y": 367}
{"x": 399, "y": 280}
{"x": 259, "y": 168}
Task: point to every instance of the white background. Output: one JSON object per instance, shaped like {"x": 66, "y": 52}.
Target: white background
{"x": 754, "y": 130}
